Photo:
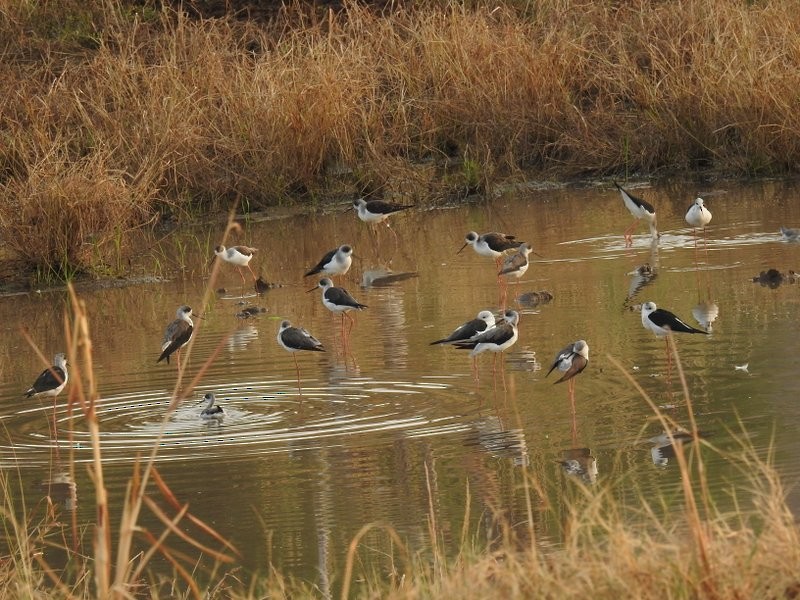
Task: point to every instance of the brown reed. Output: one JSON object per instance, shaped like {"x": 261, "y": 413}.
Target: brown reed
{"x": 167, "y": 112}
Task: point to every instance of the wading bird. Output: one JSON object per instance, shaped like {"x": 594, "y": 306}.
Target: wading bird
{"x": 497, "y": 339}
{"x": 571, "y": 360}
{"x": 338, "y": 300}
{"x": 491, "y": 245}
{"x": 640, "y": 210}
{"x": 335, "y": 262}
{"x": 177, "y": 334}
{"x": 51, "y": 382}
{"x": 698, "y": 216}
{"x": 469, "y": 330}
{"x": 240, "y": 256}
{"x": 296, "y": 339}
{"x": 663, "y": 323}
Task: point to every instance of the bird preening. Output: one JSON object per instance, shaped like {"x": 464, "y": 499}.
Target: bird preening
{"x": 640, "y": 210}
{"x": 177, "y": 334}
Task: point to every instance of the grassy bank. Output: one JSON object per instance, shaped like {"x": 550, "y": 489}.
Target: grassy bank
{"x": 118, "y": 113}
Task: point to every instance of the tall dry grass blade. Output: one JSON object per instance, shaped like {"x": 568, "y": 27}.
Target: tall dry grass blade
{"x": 433, "y": 530}
{"x": 167, "y": 494}
{"x": 353, "y": 547}
{"x": 185, "y": 575}
{"x": 171, "y": 524}
{"x": 697, "y": 527}
{"x": 83, "y": 388}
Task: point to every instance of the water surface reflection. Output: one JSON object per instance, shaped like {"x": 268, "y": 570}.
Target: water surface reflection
{"x": 389, "y": 428}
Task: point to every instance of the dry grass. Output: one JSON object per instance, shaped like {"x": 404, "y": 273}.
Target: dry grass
{"x": 176, "y": 109}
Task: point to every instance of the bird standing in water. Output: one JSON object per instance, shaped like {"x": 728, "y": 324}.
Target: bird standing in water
{"x": 640, "y": 210}
{"x": 240, "y": 256}
{"x": 177, "y": 334}
{"x": 51, "y": 382}
{"x": 571, "y": 361}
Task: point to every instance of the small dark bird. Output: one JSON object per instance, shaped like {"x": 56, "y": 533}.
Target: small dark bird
{"x": 212, "y": 411}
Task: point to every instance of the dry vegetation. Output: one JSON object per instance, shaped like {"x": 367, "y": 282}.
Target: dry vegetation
{"x": 171, "y": 112}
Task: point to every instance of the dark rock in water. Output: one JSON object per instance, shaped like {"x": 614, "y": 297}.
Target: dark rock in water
{"x": 534, "y": 298}
{"x": 250, "y": 311}
{"x": 263, "y": 286}
{"x": 773, "y": 278}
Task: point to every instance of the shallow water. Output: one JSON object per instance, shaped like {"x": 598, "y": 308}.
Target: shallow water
{"x": 387, "y": 426}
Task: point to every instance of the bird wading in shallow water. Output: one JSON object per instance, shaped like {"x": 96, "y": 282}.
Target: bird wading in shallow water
{"x": 514, "y": 266}
{"x": 469, "y": 330}
{"x": 297, "y": 339}
{"x": 497, "y": 339}
{"x": 571, "y": 361}
{"x": 378, "y": 211}
{"x": 491, "y": 245}
{"x": 698, "y": 216}
{"x": 663, "y": 323}
{"x": 335, "y": 262}
{"x": 338, "y": 300}
{"x": 50, "y": 383}
{"x": 640, "y": 210}
{"x": 177, "y": 334}
{"x": 239, "y": 256}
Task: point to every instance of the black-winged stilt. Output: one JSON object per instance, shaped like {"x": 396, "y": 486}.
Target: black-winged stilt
{"x": 51, "y": 381}
{"x": 376, "y": 211}
{"x": 571, "y": 360}
{"x": 497, "y": 339}
{"x": 491, "y": 245}
{"x": 240, "y": 256}
{"x": 338, "y": 300}
{"x": 335, "y": 262}
{"x": 297, "y": 339}
{"x": 663, "y": 323}
{"x": 469, "y": 330}
{"x": 177, "y": 334}
{"x": 640, "y": 210}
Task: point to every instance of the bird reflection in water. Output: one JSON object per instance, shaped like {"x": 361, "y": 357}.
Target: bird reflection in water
{"x": 705, "y": 313}
{"x": 242, "y": 337}
{"x": 579, "y": 463}
{"x": 61, "y": 489}
{"x": 665, "y": 444}
{"x": 532, "y": 299}
{"x": 383, "y": 277}
{"x": 641, "y": 277}
{"x": 490, "y": 434}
